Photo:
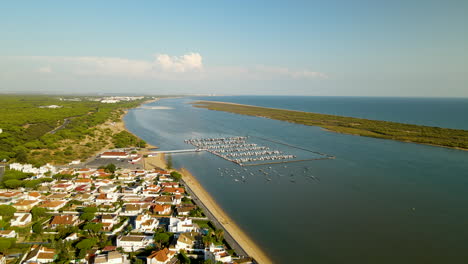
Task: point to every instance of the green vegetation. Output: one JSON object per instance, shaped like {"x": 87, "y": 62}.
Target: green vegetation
{"x": 177, "y": 176}
{"x": 39, "y": 135}
{"x": 13, "y": 179}
{"x": 126, "y": 139}
{"x": 444, "y": 137}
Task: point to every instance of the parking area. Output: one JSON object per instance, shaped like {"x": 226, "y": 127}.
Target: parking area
{"x": 119, "y": 163}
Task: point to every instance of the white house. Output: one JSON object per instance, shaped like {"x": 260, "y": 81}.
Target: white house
{"x": 146, "y": 223}
{"x": 21, "y": 219}
{"x": 112, "y": 257}
{"x": 130, "y": 243}
{"x": 8, "y": 233}
{"x": 40, "y": 254}
{"x": 217, "y": 253}
{"x": 177, "y": 225}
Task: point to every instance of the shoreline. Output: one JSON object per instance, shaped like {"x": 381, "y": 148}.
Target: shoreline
{"x": 230, "y": 227}
{"x": 329, "y": 127}
{"x": 244, "y": 241}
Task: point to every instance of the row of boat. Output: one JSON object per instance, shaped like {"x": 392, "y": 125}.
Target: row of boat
{"x": 237, "y": 150}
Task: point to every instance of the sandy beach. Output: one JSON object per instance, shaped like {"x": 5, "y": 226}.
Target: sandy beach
{"x": 244, "y": 241}
{"x": 158, "y": 161}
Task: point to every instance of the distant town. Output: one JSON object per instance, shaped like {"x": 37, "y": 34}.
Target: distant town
{"x": 109, "y": 210}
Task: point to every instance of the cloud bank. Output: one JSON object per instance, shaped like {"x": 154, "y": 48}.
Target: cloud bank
{"x": 161, "y": 67}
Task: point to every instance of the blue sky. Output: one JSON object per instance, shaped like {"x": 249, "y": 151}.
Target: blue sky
{"x": 338, "y": 48}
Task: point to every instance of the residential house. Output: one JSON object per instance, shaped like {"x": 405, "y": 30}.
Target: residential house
{"x": 62, "y": 187}
{"x": 146, "y": 223}
{"x": 173, "y": 190}
{"x": 170, "y": 184}
{"x": 177, "y": 225}
{"x": 109, "y": 221}
{"x": 8, "y": 233}
{"x": 112, "y": 257}
{"x": 217, "y": 254}
{"x": 106, "y": 198}
{"x": 10, "y": 197}
{"x": 25, "y": 205}
{"x": 64, "y": 220}
{"x": 58, "y": 196}
{"x": 53, "y": 205}
{"x": 40, "y": 254}
{"x": 162, "y": 256}
{"x": 131, "y": 243}
{"x": 162, "y": 209}
{"x": 21, "y": 219}
{"x": 184, "y": 209}
{"x": 132, "y": 209}
{"x": 190, "y": 242}
{"x": 72, "y": 237}
{"x": 164, "y": 199}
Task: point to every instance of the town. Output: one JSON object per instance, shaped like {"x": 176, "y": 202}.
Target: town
{"x": 105, "y": 215}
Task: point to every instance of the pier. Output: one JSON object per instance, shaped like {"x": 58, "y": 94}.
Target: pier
{"x": 174, "y": 151}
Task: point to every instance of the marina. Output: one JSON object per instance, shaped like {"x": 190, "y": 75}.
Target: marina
{"x": 239, "y": 151}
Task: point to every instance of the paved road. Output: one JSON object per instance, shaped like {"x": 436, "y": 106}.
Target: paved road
{"x": 229, "y": 239}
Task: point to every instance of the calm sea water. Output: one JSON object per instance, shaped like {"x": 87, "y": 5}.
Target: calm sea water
{"x": 379, "y": 201}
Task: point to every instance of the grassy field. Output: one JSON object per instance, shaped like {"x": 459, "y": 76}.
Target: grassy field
{"x": 443, "y": 137}
{"x": 37, "y": 135}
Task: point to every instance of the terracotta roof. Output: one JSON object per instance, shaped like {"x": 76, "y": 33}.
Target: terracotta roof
{"x": 46, "y": 255}
{"x": 173, "y": 190}
{"x": 63, "y": 220}
{"x": 161, "y": 207}
{"x": 161, "y": 255}
{"x": 25, "y": 203}
{"x": 34, "y": 194}
{"x": 114, "y": 154}
{"x": 10, "y": 194}
{"x": 164, "y": 199}
{"x": 52, "y": 204}
{"x": 109, "y": 248}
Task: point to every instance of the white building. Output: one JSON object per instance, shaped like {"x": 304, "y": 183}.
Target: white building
{"x": 21, "y": 219}
{"x": 177, "y": 225}
{"x": 217, "y": 253}
{"x": 112, "y": 257}
{"x": 130, "y": 243}
{"x": 146, "y": 223}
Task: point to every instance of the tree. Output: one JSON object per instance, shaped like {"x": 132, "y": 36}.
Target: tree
{"x": 37, "y": 228}
{"x": 86, "y": 244}
{"x": 169, "y": 162}
{"x": 93, "y": 228}
{"x": 161, "y": 238}
{"x": 4, "y": 244}
{"x": 177, "y": 176}
{"x": 219, "y": 235}
{"x": 183, "y": 258}
{"x": 110, "y": 168}
{"x": 87, "y": 216}
{"x": 7, "y": 210}
{"x": 13, "y": 184}
{"x": 90, "y": 210}
{"x": 38, "y": 212}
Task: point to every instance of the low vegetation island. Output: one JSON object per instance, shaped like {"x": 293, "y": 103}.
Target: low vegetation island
{"x": 443, "y": 137}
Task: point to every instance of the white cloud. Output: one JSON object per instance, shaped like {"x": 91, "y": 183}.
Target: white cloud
{"x": 164, "y": 67}
{"x": 191, "y": 61}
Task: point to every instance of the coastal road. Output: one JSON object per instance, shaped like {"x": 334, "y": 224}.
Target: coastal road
{"x": 227, "y": 236}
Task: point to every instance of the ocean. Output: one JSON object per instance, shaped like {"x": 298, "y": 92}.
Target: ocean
{"x": 378, "y": 201}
